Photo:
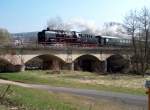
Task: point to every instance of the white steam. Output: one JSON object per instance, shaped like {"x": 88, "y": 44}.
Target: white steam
{"x": 87, "y": 26}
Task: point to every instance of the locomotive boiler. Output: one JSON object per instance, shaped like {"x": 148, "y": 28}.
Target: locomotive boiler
{"x": 60, "y": 37}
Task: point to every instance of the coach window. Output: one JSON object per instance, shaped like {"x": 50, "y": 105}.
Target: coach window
{"x": 107, "y": 39}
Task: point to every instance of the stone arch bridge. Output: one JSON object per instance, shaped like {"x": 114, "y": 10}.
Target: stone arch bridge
{"x": 86, "y": 59}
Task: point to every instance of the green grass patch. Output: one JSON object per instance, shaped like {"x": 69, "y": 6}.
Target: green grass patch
{"x": 33, "y": 99}
{"x": 3, "y": 107}
{"x": 77, "y": 80}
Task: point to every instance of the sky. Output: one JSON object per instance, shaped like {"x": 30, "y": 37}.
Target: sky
{"x": 33, "y": 15}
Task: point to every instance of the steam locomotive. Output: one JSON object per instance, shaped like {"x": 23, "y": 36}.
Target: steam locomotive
{"x": 73, "y": 38}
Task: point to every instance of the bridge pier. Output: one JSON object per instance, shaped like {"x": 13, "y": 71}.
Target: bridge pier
{"x": 18, "y": 68}
{"x": 72, "y": 66}
{"x": 68, "y": 66}
{"x": 55, "y": 65}
{"x": 105, "y": 66}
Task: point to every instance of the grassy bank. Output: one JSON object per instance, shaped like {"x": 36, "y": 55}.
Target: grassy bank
{"x": 120, "y": 83}
{"x": 32, "y": 99}
{"x": 3, "y": 107}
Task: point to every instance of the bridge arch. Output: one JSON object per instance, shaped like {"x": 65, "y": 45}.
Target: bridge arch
{"x": 117, "y": 63}
{"x": 26, "y": 58}
{"x": 76, "y": 56}
{"x": 45, "y": 61}
{"x": 5, "y": 65}
{"x": 87, "y": 62}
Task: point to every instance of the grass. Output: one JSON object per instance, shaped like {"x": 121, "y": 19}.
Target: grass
{"x": 121, "y": 83}
{"x": 33, "y": 99}
{"x": 3, "y": 107}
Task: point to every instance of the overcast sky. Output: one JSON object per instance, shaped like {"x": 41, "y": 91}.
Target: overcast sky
{"x": 32, "y": 15}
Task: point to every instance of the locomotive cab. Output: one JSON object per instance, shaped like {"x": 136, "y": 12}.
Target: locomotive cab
{"x": 41, "y": 37}
{"x": 101, "y": 40}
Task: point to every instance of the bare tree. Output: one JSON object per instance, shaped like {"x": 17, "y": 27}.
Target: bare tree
{"x": 138, "y": 26}
{"x": 131, "y": 24}
{"x": 144, "y": 22}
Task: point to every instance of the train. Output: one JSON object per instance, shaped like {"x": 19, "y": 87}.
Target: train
{"x": 73, "y": 38}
